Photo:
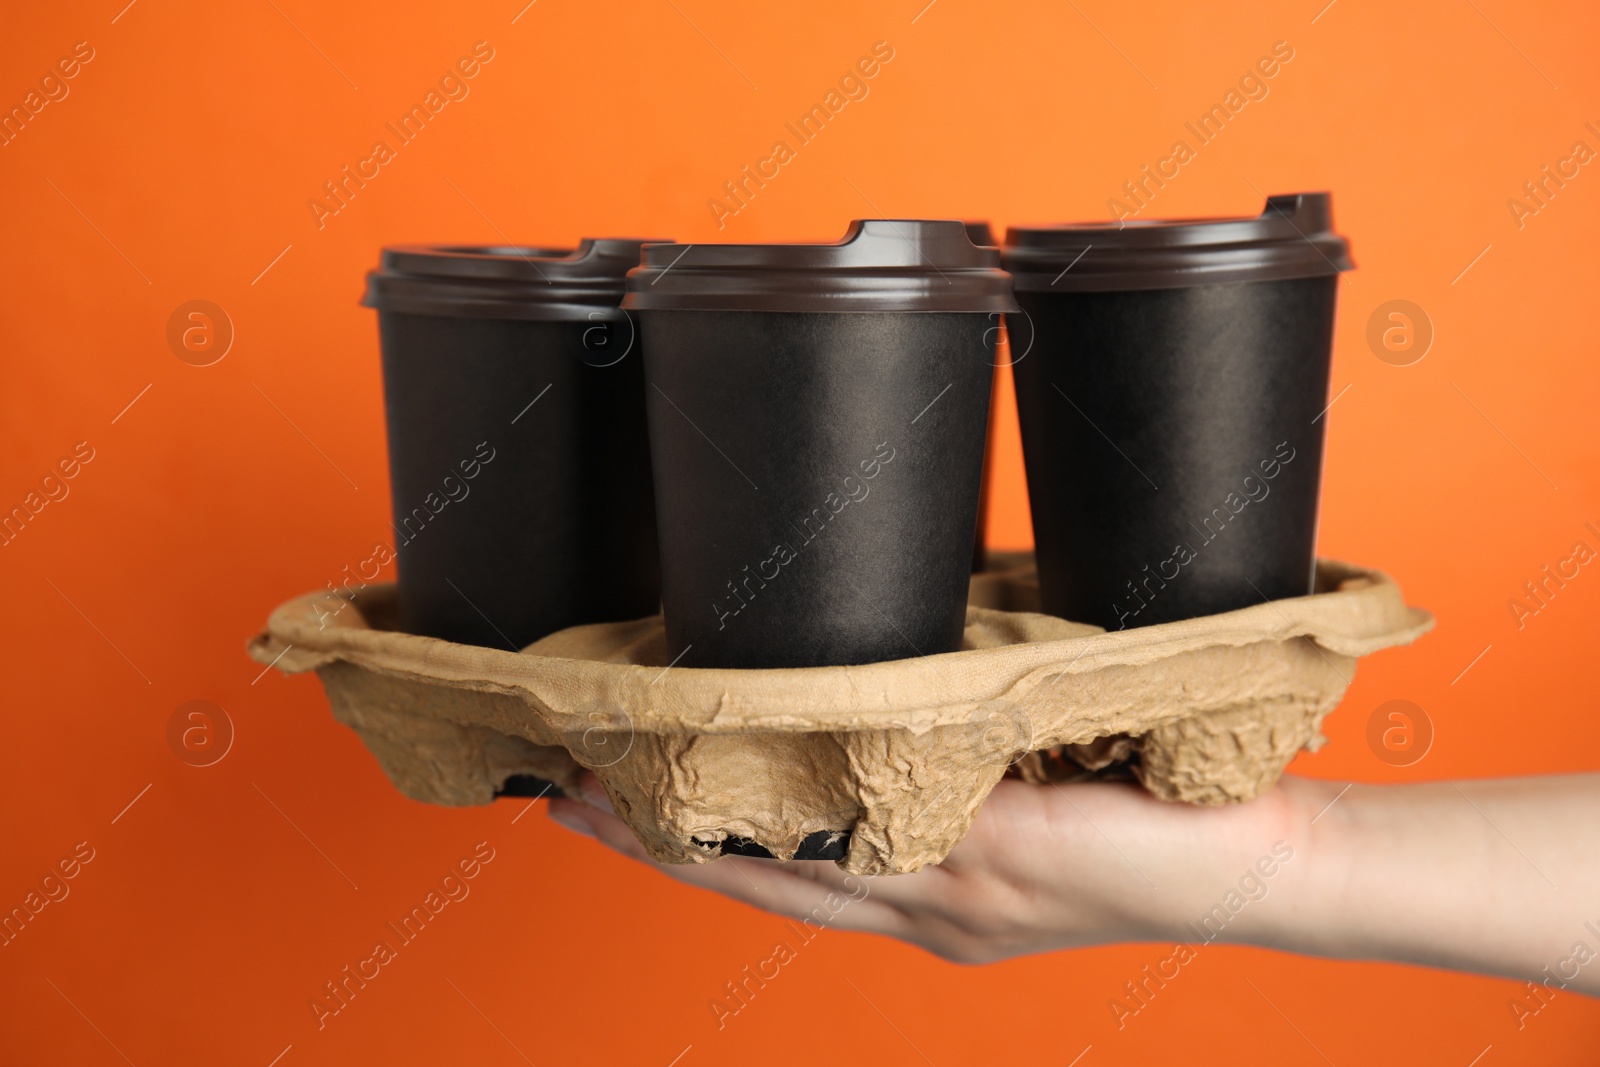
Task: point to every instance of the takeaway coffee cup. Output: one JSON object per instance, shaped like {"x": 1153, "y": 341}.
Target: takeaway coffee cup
{"x": 982, "y": 235}
{"x": 817, "y": 417}
{"x": 1172, "y": 408}
{"x": 518, "y": 454}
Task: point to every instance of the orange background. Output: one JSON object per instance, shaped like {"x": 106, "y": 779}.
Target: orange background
{"x": 180, "y": 165}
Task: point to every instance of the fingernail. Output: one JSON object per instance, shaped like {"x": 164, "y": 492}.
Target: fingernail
{"x": 571, "y": 822}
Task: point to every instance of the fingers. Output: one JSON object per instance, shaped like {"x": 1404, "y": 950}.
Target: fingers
{"x": 602, "y": 826}
{"x": 817, "y": 893}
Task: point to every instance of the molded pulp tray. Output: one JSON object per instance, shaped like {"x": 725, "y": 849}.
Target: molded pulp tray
{"x": 880, "y": 767}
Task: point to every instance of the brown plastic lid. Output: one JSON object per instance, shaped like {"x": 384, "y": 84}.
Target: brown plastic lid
{"x": 879, "y": 265}
{"x": 1292, "y": 238}
{"x": 505, "y": 282}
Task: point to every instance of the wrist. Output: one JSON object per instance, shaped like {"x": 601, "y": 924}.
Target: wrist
{"x": 1264, "y": 883}
{"x": 1311, "y": 879}
{"x": 1217, "y": 875}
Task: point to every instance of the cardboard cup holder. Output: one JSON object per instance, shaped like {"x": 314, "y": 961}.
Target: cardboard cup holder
{"x": 879, "y": 767}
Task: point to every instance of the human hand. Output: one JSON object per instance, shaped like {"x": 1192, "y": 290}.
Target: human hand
{"x": 1043, "y": 868}
{"x": 1425, "y": 874}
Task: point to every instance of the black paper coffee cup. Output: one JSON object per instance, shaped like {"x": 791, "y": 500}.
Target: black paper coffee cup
{"x": 981, "y": 234}
{"x": 518, "y": 455}
{"x": 817, "y": 419}
{"x": 1173, "y": 405}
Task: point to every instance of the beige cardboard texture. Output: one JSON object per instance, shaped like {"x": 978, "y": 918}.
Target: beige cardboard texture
{"x": 897, "y": 755}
